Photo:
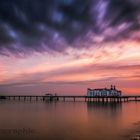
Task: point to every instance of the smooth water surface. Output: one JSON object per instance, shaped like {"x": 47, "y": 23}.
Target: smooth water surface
{"x": 68, "y": 120}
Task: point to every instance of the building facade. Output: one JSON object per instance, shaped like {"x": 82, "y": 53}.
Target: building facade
{"x": 104, "y": 92}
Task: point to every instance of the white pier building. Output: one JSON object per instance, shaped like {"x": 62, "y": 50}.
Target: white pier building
{"x": 104, "y": 92}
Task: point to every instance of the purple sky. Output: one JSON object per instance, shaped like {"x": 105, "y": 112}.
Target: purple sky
{"x": 65, "y": 46}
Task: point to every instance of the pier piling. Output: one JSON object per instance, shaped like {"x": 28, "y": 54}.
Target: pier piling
{"x": 76, "y": 98}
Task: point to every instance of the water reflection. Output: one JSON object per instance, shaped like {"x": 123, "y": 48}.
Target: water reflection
{"x": 104, "y": 118}
{"x": 68, "y": 120}
{"x": 109, "y": 109}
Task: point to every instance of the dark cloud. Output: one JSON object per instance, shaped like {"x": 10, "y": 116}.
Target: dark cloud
{"x": 44, "y": 25}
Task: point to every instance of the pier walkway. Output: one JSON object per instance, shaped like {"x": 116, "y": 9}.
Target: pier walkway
{"x": 72, "y": 98}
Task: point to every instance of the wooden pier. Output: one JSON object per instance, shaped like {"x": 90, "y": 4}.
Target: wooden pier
{"x": 72, "y": 98}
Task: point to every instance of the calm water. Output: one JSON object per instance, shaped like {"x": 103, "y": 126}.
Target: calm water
{"x": 68, "y": 120}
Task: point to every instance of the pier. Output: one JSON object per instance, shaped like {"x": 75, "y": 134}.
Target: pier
{"x": 72, "y": 98}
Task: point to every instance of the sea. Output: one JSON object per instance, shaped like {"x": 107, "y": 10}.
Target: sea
{"x": 44, "y": 120}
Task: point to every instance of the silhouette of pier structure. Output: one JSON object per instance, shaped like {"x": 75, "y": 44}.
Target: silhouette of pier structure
{"x": 125, "y": 98}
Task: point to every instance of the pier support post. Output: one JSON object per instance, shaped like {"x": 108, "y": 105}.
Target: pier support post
{"x": 36, "y": 98}
{"x": 103, "y": 99}
{"x": 127, "y": 99}
{"x": 107, "y": 99}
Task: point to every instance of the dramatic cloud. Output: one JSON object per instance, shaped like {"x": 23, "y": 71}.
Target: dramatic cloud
{"x": 73, "y": 73}
{"x": 44, "y": 25}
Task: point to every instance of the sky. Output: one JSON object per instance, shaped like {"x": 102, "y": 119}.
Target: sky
{"x": 67, "y": 46}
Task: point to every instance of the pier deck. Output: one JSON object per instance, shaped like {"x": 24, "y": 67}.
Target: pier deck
{"x": 73, "y": 98}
